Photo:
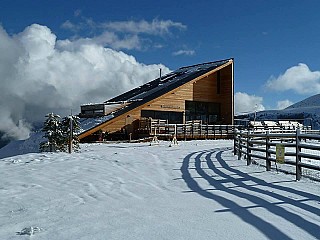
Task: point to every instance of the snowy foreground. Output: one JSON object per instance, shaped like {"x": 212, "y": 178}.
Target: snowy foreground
{"x": 197, "y": 190}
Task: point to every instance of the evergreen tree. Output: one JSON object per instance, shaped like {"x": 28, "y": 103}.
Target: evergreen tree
{"x": 58, "y": 133}
{"x": 52, "y": 132}
{"x": 66, "y": 130}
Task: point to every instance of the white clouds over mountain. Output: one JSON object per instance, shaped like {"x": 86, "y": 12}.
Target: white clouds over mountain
{"x": 284, "y": 104}
{"x": 298, "y": 78}
{"x": 244, "y": 103}
{"x": 40, "y": 74}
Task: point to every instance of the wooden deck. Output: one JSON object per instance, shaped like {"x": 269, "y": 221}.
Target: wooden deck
{"x": 189, "y": 130}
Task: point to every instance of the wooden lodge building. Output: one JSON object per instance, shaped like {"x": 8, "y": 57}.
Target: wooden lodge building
{"x": 201, "y": 94}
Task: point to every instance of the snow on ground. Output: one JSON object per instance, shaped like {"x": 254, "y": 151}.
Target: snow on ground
{"x": 196, "y": 190}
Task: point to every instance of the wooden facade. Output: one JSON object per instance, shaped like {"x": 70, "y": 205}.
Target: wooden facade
{"x": 212, "y": 91}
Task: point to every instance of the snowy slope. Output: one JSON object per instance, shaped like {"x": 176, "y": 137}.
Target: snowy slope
{"x": 19, "y": 147}
{"x": 308, "y": 109}
{"x": 313, "y": 101}
{"x": 197, "y": 190}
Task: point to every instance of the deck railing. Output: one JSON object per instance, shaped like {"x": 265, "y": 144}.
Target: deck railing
{"x": 189, "y": 130}
{"x": 193, "y": 130}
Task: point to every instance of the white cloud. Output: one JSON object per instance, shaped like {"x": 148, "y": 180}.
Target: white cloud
{"x": 184, "y": 52}
{"x": 109, "y": 39}
{"x": 155, "y": 27}
{"x": 297, "y": 78}
{"x": 77, "y": 12}
{"x": 123, "y": 34}
{"x": 245, "y": 103}
{"x": 40, "y": 74}
{"x": 284, "y": 104}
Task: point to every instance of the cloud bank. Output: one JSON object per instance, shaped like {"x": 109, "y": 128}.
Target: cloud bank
{"x": 40, "y": 74}
{"x": 298, "y": 78}
{"x": 245, "y": 103}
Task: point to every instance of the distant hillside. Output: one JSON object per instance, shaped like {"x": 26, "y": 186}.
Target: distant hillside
{"x": 313, "y": 101}
{"x": 3, "y": 141}
{"x": 306, "y": 111}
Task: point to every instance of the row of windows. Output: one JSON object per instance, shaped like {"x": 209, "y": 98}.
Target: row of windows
{"x": 209, "y": 113}
{"x": 172, "y": 117}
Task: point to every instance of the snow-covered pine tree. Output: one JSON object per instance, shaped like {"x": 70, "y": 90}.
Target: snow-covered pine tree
{"x": 53, "y": 134}
{"x": 66, "y": 129}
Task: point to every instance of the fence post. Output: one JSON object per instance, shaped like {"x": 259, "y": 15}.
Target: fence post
{"x": 239, "y": 146}
{"x": 192, "y": 129}
{"x": 298, "y": 157}
{"x": 235, "y": 142}
{"x": 248, "y": 148}
{"x": 268, "y": 162}
{"x": 207, "y": 131}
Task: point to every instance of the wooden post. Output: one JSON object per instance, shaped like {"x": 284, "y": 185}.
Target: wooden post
{"x": 192, "y": 125}
{"x": 240, "y": 147}
{"x": 298, "y": 157}
{"x": 207, "y": 131}
{"x": 71, "y": 135}
{"x": 248, "y": 148}
{"x": 235, "y": 142}
{"x": 268, "y": 162}
{"x": 174, "y": 140}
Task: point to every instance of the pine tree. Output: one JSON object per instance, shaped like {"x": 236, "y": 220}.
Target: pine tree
{"x": 58, "y": 133}
{"x": 66, "y": 130}
{"x": 53, "y": 134}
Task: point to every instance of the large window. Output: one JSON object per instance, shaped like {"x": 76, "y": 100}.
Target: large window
{"x": 172, "y": 117}
{"x": 208, "y": 112}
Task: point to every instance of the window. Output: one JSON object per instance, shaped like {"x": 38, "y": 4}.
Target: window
{"x": 208, "y": 112}
{"x": 172, "y": 117}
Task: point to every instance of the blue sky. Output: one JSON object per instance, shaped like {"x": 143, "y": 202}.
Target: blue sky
{"x": 275, "y": 43}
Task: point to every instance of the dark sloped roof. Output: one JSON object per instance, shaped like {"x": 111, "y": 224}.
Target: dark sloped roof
{"x": 167, "y": 82}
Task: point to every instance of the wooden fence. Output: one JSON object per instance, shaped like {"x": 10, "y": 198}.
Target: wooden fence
{"x": 189, "y": 130}
{"x": 193, "y": 131}
{"x": 303, "y": 145}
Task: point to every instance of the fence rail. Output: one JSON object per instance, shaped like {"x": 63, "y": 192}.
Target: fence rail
{"x": 302, "y": 146}
{"x": 193, "y": 130}
{"x": 189, "y": 130}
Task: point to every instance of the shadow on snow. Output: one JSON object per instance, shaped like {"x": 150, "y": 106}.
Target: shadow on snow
{"x": 238, "y": 178}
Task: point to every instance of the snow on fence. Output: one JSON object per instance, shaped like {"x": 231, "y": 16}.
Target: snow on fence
{"x": 301, "y": 149}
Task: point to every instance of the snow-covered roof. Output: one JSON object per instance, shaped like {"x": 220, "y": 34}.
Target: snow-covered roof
{"x": 88, "y": 123}
{"x": 256, "y": 124}
{"x": 285, "y": 123}
{"x": 270, "y": 123}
